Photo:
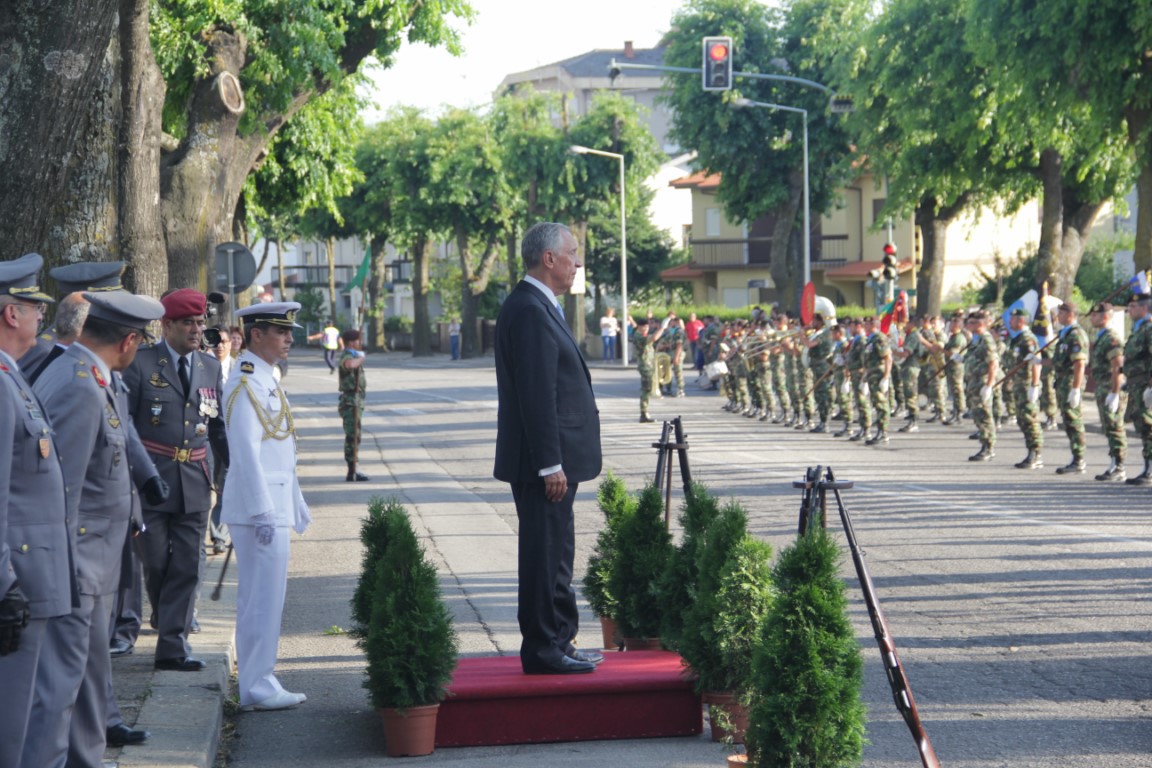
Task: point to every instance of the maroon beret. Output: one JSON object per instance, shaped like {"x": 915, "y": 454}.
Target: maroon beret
{"x": 185, "y": 302}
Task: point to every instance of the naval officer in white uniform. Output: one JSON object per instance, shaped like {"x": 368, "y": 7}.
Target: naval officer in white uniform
{"x": 262, "y": 500}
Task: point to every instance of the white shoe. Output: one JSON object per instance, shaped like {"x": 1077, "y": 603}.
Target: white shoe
{"x": 281, "y": 700}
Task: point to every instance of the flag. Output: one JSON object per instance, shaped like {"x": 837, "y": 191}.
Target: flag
{"x": 1139, "y": 283}
{"x": 362, "y": 272}
{"x": 896, "y": 310}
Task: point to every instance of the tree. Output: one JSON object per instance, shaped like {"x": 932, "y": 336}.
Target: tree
{"x": 122, "y": 130}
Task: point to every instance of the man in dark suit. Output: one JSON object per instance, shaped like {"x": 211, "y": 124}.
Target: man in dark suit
{"x": 547, "y": 442}
{"x": 174, "y": 400}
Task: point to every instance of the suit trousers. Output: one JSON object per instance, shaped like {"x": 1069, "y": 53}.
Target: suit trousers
{"x": 18, "y": 671}
{"x": 547, "y": 609}
{"x": 262, "y": 575}
{"x": 171, "y": 547}
{"x": 69, "y": 709}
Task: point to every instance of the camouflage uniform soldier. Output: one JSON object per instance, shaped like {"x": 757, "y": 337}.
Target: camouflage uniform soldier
{"x": 1138, "y": 375}
{"x": 709, "y": 341}
{"x": 981, "y": 368}
{"x": 778, "y": 364}
{"x": 1003, "y": 405}
{"x": 932, "y": 377}
{"x": 954, "y": 349}
{"x": 738, "y": 366}
{"x": 672, "y": 344}
{"x": 877, "y": 377}
{"x": 1025, "y": 385}
{"x": 1106, "y": 362}
{"x": 820, "y": 350}
{"x": 1070, "y": 361}
{"x": 645, "y": 363}
{"x": 352, "y": 385}
{"x": 1050, "y": 402}
{"x": 841, "y": 380}
{"x": 854, "y": 362}
{"x": 912, "y": 354}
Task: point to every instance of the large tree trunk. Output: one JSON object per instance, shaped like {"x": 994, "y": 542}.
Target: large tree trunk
{"x": 469, "y": 300}
{"x": 1141, "y": 140}
{"x": 53, "y": 65}
{"x": 934, "y": 220}
{"x": 1079, "y": 218}
{"x": 1050, "y": 254}
{"x": 785, "y": 265}
{"x": 574, "y": 302}
{"x": 330, "y": 252}
{"x": 422, "y": 322}
{"x": 377, "y": 295}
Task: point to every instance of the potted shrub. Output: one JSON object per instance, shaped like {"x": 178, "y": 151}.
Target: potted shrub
{"x": 644, "y": 547}
{"x": 374, "y": 537}
{"x": 615, "y": 504}
{"x": 409, "y": 642}
{"x": 723, "y": 623}
{"x": 807, "y": 669}
{"x": 678, "y": 584}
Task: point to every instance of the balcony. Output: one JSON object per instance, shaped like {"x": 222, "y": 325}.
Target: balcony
{"x": 828, "y": 251}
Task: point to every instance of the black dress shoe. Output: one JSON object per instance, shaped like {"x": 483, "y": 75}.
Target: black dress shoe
{"x": 358, "y": 477}
{"x": 181, "y": 664}
{"x": 120, "y": 648}
{"x": 563, "y": 666}
{"x": 121, "y": 735}
{"x": 591, "y": 657}
{"x": 194, "y": 629}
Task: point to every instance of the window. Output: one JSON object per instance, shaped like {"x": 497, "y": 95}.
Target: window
{"x": 712, "y": 222}
{"x": 877, "y": 206}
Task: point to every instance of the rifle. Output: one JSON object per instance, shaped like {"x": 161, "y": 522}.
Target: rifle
{"x": 897, "y": 680}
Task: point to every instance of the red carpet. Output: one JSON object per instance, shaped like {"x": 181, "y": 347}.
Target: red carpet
{"x": 631, "y": 695}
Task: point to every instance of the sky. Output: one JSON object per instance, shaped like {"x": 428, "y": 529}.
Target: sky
{"x": 512, "y": 36}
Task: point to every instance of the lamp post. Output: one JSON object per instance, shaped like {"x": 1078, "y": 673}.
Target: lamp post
{"x": 577, "y": 149}
{"x": 807, "y": 212}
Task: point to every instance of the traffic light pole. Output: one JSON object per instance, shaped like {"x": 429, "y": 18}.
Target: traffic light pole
{"x": 616, "y": 66}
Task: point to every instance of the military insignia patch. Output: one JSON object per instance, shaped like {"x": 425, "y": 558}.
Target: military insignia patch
{"x": 247, "y": 367}
{"x": 156, "y": 381}
{"x": 99, "y": 376}
{"x": 45, "y": 447}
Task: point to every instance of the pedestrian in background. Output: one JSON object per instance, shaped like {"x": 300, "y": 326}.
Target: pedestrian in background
{"x": 609, "y": 330}
{"x": 352, "y": 386}
{"x": 453, "y": 337}
{"x": 330, "y": 341}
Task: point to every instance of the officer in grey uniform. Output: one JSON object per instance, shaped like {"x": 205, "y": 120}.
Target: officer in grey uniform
{"x": 174, "y": 401}
{"x": 81, "y": 402}
{"x": 35, "y": 573}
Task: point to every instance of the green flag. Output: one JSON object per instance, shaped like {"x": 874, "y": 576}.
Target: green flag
{"x": 362, "y": 272}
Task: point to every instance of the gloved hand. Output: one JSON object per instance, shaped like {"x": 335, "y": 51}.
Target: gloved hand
{"x": 864, "y": 389}
{"x": 1030, "y": 357}
{"x": 986, "y": 393}
{"x": 304, "y": 520}
{"x": 13, "y": 619}
{"x": 155, "y": 491}
{"x": 1112, "y": 402}
{"x": 846, "y": 387}
{"x": 1148, "y": 398}
{"x": 1033, "y": 393}
{"x": 957, "y": 358}
{"x": 1074, "y": 398}
{"x": 664, "y": 323}
{"x": 356, "y": 352}
{"x": 838, "y": 359}
{"x": 265, "y": 529}
{"x": 884, "y": 384}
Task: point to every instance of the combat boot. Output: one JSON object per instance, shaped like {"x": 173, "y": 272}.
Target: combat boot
{"x": 1074, "y": 467}
{"x": 780, "y": 418}
{"x": 880, "y": 438}
{"x": 911, "y": 426}
{"x": 1114, "y": 473}
{"x": 819, "y": 429}
{"x": 645, "y": 418}
{"x": 857, "y": 435}
{"x": 984, "y": 454}
{"x": 842, "y": 432}
{"x": 974, "y": 436}
{"x": 1144, "y": 478}
{"x": 803, "y": 423}
{"x": 353, "y": 475}
{"x": 753, "y": 413}
{"x": 789, "y": 421}
{"x": 935, "y": 417}
{"x": 764, "y": 416}
{"x": 1031, "y": 461}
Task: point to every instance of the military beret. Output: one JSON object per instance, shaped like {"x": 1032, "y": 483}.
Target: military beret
{"x": 20, "y": 278}
{"x": 1068, "y": 307}
{"x": 1021, "y": 312}
{"x": 185, "y": 302}
{"x": 642, "y": 321}
{"x": 274, "y": 312}
{"x": 1138, "y": 298}
{"x": 96, "y": 276}
{"x": 123, "y": 308}
{"x": 1101, "y": 306}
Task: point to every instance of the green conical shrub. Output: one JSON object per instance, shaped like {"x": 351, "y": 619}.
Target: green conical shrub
{"x": 615, "y": 504}
{"x": 678, "y": 583}
{"x": 643, "y": 548}
{"x": 807, "y": 669}
{"x": 410, "y": 642}
{"x": 374, "y": 537}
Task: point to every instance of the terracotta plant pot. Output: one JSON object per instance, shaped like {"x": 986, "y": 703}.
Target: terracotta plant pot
{"x": 410, "y": 732}
{"x": 735, "y": 713}
{"x": 610, "y": 633}
{"x": 737, "y": 761}
{"x": 642, "y": 644}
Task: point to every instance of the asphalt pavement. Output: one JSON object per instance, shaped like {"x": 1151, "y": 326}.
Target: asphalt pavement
{"x": 1018, "y": 600}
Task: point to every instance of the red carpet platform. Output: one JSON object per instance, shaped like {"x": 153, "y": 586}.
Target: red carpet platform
{"x": 631, "y": 695}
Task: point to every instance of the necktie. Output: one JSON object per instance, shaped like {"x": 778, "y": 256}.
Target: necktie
{"x": 560, "y": 309}
{"x": 185, "y": 379}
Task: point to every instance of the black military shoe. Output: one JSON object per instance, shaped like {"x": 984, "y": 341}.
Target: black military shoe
{"x": 935, "y": 417}
{"x": 781, "y": 419}
{"x": 646, "y": 419}
{"x": 974, "y": 436}
{"x": 1074, "y": 467}
{"x": 803, "y": 424}
{"x": 1144, "y": 478}
{"x": 857, "y": 435}
{"x": 984, "y": 454}
{"x": 819, "y": 429}
{"x": 841, "y": 432}
{"x": 1114, "y": 473}
{"x": 911, "y": 426}
{"x": 764, "y": 416}
{"x": 880, "y": 438}
{"x": 1031, "y": 461}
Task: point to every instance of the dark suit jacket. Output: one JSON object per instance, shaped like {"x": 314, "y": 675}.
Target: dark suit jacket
{"x": 547, "y": 412}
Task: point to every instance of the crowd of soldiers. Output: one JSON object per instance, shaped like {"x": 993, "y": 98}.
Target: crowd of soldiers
{"x": 851, "y": 379}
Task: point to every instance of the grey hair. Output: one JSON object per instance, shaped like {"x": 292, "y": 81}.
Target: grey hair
{"x": 70, "y": 317}
{"x": 540, "y": 237}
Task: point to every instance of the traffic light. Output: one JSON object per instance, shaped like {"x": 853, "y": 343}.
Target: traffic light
{"x": 717, "y": 67}
{"x": 890, "y": 269}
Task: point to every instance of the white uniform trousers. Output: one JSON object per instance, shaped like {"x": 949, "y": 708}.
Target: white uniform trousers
{"x": 262, "y": 573}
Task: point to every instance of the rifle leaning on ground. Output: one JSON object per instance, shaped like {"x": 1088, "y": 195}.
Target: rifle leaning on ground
{"x": 897, "y": 680}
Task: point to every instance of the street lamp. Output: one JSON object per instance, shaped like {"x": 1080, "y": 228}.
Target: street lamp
{"x": 807, "y": 213}
{"x": 577, "y": 149}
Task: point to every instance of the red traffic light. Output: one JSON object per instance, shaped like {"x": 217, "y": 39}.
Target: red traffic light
{"x": 889, "y": 249}
{"x": 718, "y": 52}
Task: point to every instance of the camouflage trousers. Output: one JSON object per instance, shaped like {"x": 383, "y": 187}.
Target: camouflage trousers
{"x": 910, "y": 374}
{"x": 981, "y": 414}
{"x": 880, "y": 402}
{"x": 1073, "y": 420}
{"x": 932, "y": 385}
{"x": 840, "y": 398}
{"x": 1028, "y": 418}
{"x": 645, "y": 390}
{"x": 955, "y": 380}
{"x": 1050, "y": 401}
{"x": 1112, "y": 424}
{"x": 677, "y": 376}
{"x": 822, "y": 393}
{"x": 350, "y": 413}
{"x": 804, "y": 398}
{"x": 1141, "y": 419}
{"x": 863, "y": 406}
{"x": 779, "y": 383}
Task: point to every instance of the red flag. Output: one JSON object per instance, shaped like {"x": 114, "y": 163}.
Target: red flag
{"x": 899, "y": 313}
{"x": 807, "y": 303}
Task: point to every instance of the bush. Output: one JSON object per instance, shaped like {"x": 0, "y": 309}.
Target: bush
{"x": 807, "y": 669}
{"x": 397, "y": 324}
{"x": 678, "y": 583}
{"x": 374, "y": 537}
{"x": 410, "y": 642}
{"x": 644, "y": 547}
{"x": 615, "y": 504}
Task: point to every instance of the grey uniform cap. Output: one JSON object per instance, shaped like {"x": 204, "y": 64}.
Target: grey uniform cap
{"x": 123, "y": 308}
{"x": 94, "y": 276}
{"x": 20, "y": 278}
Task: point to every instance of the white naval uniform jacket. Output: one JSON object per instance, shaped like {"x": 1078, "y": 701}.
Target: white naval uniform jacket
{"x": 262, "y": 471}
